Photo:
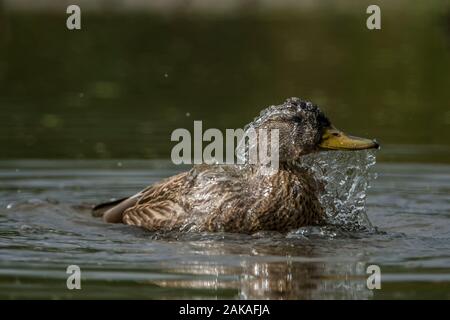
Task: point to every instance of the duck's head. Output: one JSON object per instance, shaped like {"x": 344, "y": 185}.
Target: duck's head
{"x": 304, "y": 128}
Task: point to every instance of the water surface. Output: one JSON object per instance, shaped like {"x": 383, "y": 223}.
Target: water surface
{"x": 45, "y": 225}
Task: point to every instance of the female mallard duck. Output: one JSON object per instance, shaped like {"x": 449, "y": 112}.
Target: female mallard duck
{"x": 240, "y": 198}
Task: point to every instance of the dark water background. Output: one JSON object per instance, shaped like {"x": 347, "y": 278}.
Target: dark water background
{"x": 120, "y": 86}
{"x": 116, "y": 89}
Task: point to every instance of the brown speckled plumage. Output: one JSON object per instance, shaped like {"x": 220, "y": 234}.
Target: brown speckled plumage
{"x": 223, "y": 198}
{"x": 240, "y": 198}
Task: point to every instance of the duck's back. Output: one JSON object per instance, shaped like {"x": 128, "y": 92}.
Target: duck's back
{"x": 195, "y": 199}
{"x": 227, "y": 198}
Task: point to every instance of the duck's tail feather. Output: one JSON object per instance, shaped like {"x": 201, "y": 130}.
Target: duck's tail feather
{"x": 100, "y": 209}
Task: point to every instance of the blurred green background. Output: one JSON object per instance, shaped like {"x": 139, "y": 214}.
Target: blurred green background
{"x": 137, "y": 70}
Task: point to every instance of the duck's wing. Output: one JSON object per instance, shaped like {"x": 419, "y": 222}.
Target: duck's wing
{"x": 159, "y": 206}
{"x": 100, "y": 209}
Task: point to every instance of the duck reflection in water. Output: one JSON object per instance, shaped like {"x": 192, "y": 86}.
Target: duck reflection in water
{"x": 270, "y": 272}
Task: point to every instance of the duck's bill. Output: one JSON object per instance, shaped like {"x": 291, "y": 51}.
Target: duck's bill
{"x": 334, "y": 139}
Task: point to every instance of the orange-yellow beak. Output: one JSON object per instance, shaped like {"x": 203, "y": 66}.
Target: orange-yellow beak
{"x": 335, "y": 139}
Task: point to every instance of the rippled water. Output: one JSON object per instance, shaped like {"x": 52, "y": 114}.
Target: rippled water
{"x": 45, "y": 225}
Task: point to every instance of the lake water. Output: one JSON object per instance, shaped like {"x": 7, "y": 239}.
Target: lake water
{"x": 45, "y": 225}
{"x": 136, "y": 71}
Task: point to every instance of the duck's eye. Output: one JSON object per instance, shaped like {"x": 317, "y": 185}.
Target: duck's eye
{"x": 335, "y": 134}
{"x": 297, "y": 119}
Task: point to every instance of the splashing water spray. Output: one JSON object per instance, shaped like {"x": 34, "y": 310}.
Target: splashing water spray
{"x": 345, "y": 177}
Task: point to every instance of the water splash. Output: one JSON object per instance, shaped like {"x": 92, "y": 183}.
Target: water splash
{"x": 345, "y": 177}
